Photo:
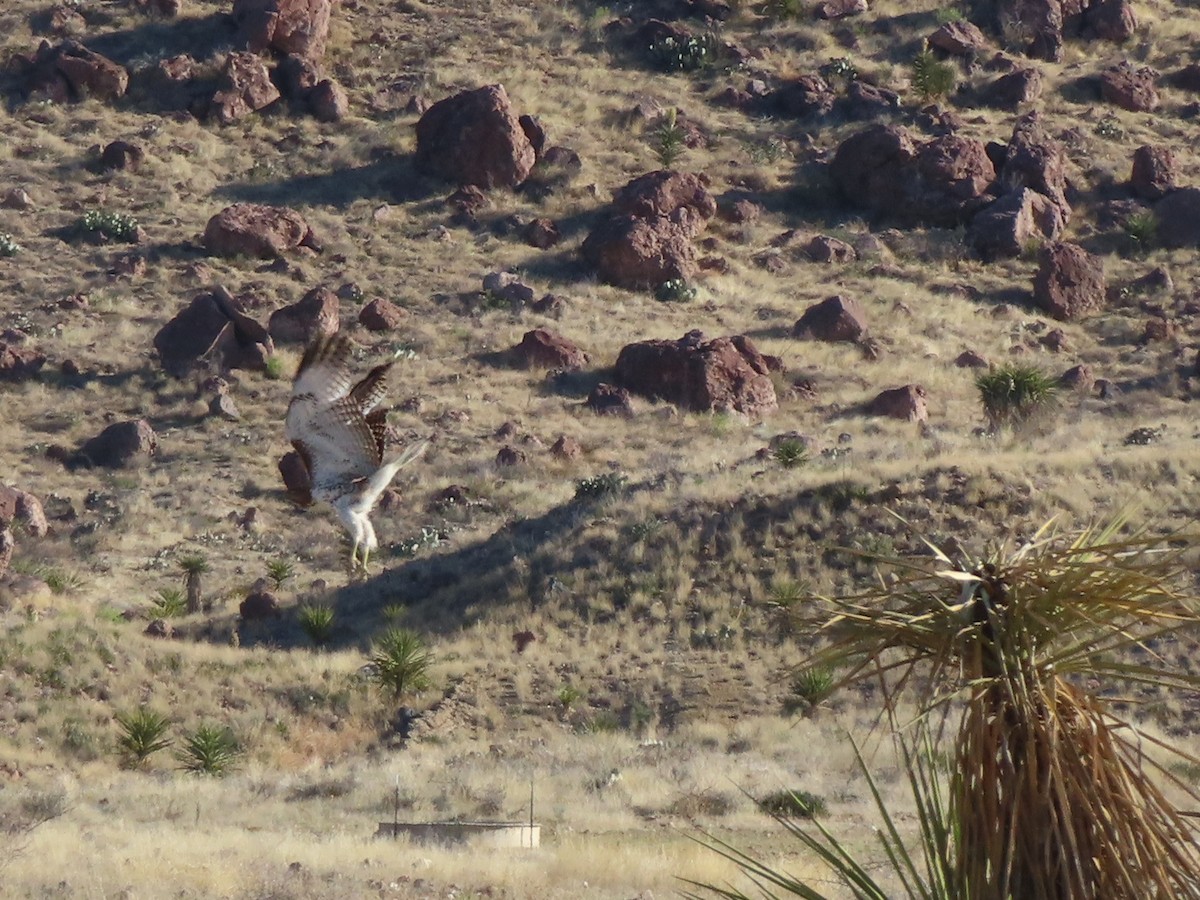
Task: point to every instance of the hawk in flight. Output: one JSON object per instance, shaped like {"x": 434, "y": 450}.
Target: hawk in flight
{"x": 335, "y": 425}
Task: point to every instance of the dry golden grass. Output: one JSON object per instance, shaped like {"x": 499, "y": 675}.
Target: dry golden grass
{"x": 659, "y": 607}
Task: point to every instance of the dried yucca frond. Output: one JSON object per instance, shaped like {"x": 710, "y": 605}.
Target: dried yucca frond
{"x": 1053, "y": 797}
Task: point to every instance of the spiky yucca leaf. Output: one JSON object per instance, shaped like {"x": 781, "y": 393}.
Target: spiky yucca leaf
{"x": 1054, "y": 797}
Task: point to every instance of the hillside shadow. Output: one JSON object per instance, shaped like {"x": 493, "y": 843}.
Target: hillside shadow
{"x": 392, "y": 178}
{"x": 156, "y": 39}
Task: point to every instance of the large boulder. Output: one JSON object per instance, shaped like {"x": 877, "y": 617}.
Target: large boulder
{"x": 960, "y": 38}
{"x": 1069, "y": 284}
{"x": 1037, "y": 25}
{"x": 475, "y": 137}
{"x": 1035, "y": 160}
{"x": 19, "y": 363}
{"x": 1178, "y": 218}
{"x": 244, "y": 87}
{"x": 70, "y": 71}
{"x": 213, "y": 327}
{"x": 665, "y": 193}
{"x": 317, "y": 314}
{"x": 636, "y": 253}
{"x": 941, "y": 182}
{"x": 1154, "y": 172}
{"x": 121, "y": 445}
{"x": 725, "y": 374}
{"x": 287, "y": 26}
{"x": 1130, "y": 88}
{"x": 255, "y": 229}
{"x": 546, "y": 349}
{"x": 297, "y": 481}
{"x": 21, "y": 506}
{"x": 907, "y": 402}
{"x": 804, "y": 96}
{"x": 1008, "y": 226}
{"x": 835, "y": 318}
{"x": 1111, "y": 20}
{"x": 1018, "y": 87}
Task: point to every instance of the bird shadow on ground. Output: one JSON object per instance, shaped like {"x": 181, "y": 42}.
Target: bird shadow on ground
{"x": 443, "y": 592}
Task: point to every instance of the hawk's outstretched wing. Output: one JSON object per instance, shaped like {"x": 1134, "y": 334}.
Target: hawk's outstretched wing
{"x": 326, "y": 418}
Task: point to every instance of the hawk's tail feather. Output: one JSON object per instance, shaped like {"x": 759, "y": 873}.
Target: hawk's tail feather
{"x": 386, "y": 472}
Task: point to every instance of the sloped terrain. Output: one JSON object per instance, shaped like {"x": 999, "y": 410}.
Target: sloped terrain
{"x": 663, "y": 561}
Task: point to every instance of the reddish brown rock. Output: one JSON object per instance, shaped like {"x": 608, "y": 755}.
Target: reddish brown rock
{"x": 829, "y": 250}
{"x": 66, "y": 21}
{"x": 1154, "y": 172}
{"x": 1037, "y": 161}
{"x": 907, "y": 402}
{"x": 1130, "y": 88}
{"x": 122, "y": 155}
{"x": 19, "y": 363}
{"x": 381, "y": 315}
{"x": 475, "y": 138}
{"x": 969, "y": 359}
{"x": 808, "y": 95}
{"x": 835, "y": 318}
{"x": 510, "y": 456}
{"x": 328, "y": 101}
{"x": 244, "y": 87}
{"x": 214, "y": 327}
{"x": 288, "y": 26}
{"x": 317, "y": 313}
{"x": 1178, "y": 218}
{"x": 542, "y": 233}
{"x": 1008, "y": 226}
{"x": 159, "y": 628}
{"x": 253, "y": 229}
{"x": 70, "y": 71}
{"x": 1078, "y": 378}
{"x": 1014, "y": 89}
{"x": 297, "y": 75}
{"x": 960, "y": 38}
{"x": 680, "y": 197}
{"x": 725, "y": 374}
{"x": 296, "y": 480}
{"x": 566, "y": 448}
{"x": 610, "y": 400}
{"x": 1111, "y": 20}
{"x": 260, "y": 603}
{"x": 637, "y": 253}
{"x": 1038, "y": 24}
{"x": 1069, "y": 284}
{"x": 21, "y": 506}
{"x": 546, "y": 349}
{"x": 121, "y": 445}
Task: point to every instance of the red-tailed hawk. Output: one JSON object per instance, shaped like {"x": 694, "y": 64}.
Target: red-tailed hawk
{"x": 334, "y": 424}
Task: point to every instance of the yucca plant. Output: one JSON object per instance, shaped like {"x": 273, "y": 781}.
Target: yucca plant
{"x": 932, "y": 78}
{"x": 1016, "y": 394}
{"x": 194, "y": 566}
{"x": 169, "y": 603}
{"x": 142, "y": 734}
{"x": 279, "y": 571}
{"x": 210, "y": 750}
{"x": 401, "y": 661}
{"x": 669, "y": 140}
{"x": 316, "y": 619}
{"x": 1052, "y": 796}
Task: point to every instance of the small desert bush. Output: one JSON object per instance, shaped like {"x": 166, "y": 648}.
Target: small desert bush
{"x": 793, "y": 804}
{"x": 1142, "y": 230}
{"x": 169, "y": 604}
{"x": 675, "y": 290}
{"x": 932, "y": 78}
{"x": 790, "y": 453}
{"x": 112, "y": 225}
{"x": 210, "y": 750}
{"x": 668, "y": 139}
{"x": 279, "y": 571}
{"x": 143, "y": 733}
{"x": 809, "y": 687}
{"x": 690, "y": 54}
{"x": 401, "y": 661}
{"x": 8, "y": 245}
{"x": 1015, "y": 393}
{"x": 316, "y": 620}
{"x": 274, "y": 368}
{"x": 601, "y": 486}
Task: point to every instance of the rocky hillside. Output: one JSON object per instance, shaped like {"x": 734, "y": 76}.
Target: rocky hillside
{"x": 705, "y": 305}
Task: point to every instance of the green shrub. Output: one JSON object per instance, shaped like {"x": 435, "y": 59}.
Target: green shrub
{"x": 316, "y": 619}
{"x": 210, "y": 750}
{"x": 784, "y": 9}
{"x": 1142, "y": 230}
{"x": 112, "y": 225}
{"x": 600, "y": 486}
{"x": 8, "y": 245}
{"x": 839, "y": 69}
{"x": 667, "y": 140}
{"x": 274, "y": 368}
{"x": 1110, "y": 128}
{"x": 675, "y": 290}
{"x": 932, "y": 78}
{"x": 793, "y": 804}
{"x": 688, "y": 55}
{"x": 169, "y": 604}
{"x": 142, "y": 734}
{"x": 810, "y": 686}
{"x": 401, "y": 661}
{"x": 279, "y": 571}
{"x": 790, "y": 453}
{"x": 1015, "y": 393}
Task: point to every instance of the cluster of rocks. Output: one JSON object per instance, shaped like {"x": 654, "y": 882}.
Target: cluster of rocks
{"x": 283, "y": 44}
